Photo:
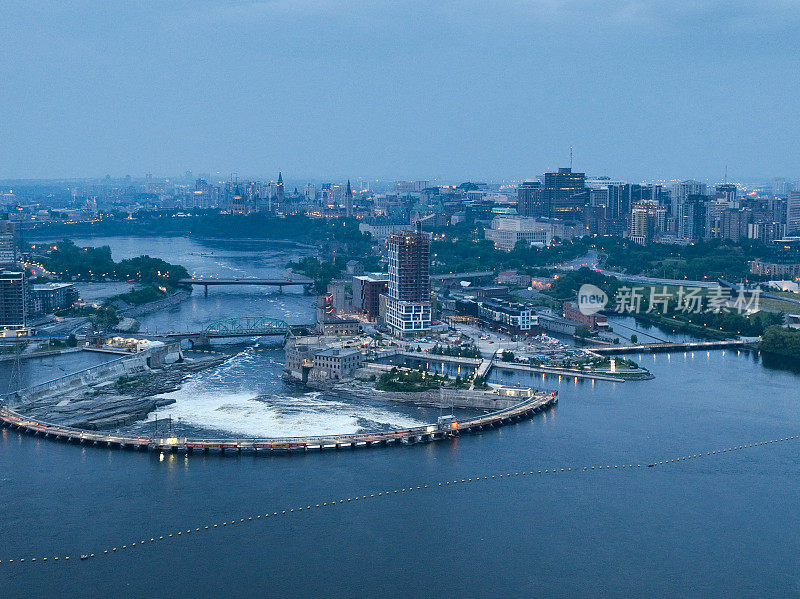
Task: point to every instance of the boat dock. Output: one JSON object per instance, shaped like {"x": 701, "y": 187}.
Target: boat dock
{"x": 565, "y": 372}
{"x": 669, "y": 346}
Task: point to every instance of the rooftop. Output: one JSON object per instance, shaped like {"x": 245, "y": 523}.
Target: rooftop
{"x": 335, "y": 351}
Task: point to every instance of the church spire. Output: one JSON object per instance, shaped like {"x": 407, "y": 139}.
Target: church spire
{"x": 348, "y": 201}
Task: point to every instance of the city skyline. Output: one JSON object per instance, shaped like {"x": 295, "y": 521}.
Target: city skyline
{"x": 637, "y": 89}
{"x": 357, "y": 298}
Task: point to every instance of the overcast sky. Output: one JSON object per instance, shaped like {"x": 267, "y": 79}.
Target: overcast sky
{"x": 486, "y": 89}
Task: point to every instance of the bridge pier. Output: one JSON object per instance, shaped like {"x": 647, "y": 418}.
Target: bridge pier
{"x": 205, "y": 290}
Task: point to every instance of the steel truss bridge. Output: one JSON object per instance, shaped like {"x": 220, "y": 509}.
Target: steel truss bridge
{"x": 247, "y": 326}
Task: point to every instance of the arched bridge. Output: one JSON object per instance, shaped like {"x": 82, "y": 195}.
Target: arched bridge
{"x": 246, "y": 326}
{"x": 243, "y": 326}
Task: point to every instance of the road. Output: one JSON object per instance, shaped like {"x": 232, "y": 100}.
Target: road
{"x": 591, "y": 260}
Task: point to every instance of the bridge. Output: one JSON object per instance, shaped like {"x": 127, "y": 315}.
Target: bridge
{"x": 668, "y": 346}
{"x": 444, "y": 429}
{"x": 247, "y": 326}
{"x": 243, "y": 326}
{"x": 279, "y": 283}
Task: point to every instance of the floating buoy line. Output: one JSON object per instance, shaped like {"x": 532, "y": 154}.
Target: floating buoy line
{"x": 109, "y": 551}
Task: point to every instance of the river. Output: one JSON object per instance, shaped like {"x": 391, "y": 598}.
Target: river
{"x": 719, "y": 525}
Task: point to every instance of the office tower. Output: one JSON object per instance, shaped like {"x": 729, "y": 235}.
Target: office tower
{"x": 647, "y": 220}
{"x": 732, "y": 223}
{"x": 793, "y": 213}
{"x": 530, "y": 199}
{"x": 619, "y": 200}
{"x": 279, "y": 192}
{"x": 408, "y": 300}
{"x": 420, "y": 185}
{"x": 348, "y": 201}
{"x": 564, "y": 194}
{"x": 12, "y": 300}
{"x": 684, "y": 189}
{"x": 692, "y": 216}
{"x": 8, "y": 241}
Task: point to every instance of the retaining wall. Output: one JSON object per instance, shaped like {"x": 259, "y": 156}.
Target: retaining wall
{"x": 115, "y": 368}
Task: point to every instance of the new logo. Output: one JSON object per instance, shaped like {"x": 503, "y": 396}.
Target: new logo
{"x": 591, "y": 299}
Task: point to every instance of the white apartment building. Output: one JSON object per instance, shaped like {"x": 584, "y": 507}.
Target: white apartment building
{"x": 506, "y": 232}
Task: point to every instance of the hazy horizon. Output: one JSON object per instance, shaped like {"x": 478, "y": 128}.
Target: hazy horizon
{"x": 449, "y": 91}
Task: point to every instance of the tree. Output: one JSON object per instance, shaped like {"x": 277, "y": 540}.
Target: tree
{"x": 634, "y": 338}
{"x": 72, "y": 341}
{"x": 507, "y": 355}
{"x": 780, "y": 340}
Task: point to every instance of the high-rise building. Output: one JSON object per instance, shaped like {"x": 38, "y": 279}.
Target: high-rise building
{"x": 408, "y": 299}
{"x": 733, "y": 224}
{"x": 348, "y": 201}
{"x": 367, "y": 290}
{"x": 647, "y": 220}
{"x": 8, "y": 241}
{"x": 726, "y": 191}
{"x": 530, "y": 199}
{"x": 564, "y": 194}
{"x": 793, "y": 213}
{"x": 684, "y": 189}
{"x": 691, "y": 222}
{"x": 12, "y": 301}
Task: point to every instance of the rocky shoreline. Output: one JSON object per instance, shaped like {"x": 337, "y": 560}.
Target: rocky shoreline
{"x": 159, "y": 304}
{"x": 457, "y": 398}
{"x": 113, "y": 403}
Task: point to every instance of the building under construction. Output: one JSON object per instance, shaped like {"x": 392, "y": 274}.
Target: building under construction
{"x": 408, "y": 300}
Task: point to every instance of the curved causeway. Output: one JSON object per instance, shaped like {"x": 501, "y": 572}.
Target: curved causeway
{"x": 420, "y": 434}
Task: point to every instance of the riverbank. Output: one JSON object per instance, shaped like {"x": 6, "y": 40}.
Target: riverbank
{"x": 173, "y": 299}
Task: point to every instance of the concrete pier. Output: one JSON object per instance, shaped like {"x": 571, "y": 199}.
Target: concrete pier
{"x": 422, "y": 434}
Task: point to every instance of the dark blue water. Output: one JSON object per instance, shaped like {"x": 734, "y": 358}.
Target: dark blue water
{"x": 231, "y": 259}
{"x": 718, "y": 526}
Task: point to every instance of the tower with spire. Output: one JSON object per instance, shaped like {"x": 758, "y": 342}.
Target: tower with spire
{"x": 348, "y": 201}
{"x": 279, "y": 193}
